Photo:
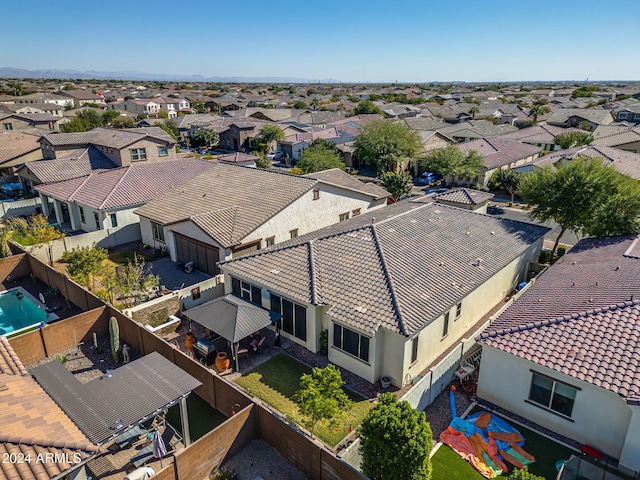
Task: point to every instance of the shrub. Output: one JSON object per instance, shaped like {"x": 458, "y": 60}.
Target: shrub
{"x": 523, "y": 474}
{"x": 544, "y": 256}
{"x": 562, "y": 249}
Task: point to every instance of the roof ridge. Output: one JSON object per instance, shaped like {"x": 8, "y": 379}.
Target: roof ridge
{"x": 113, "y": 190}
{"x": 557, "y": 320}
{"x": 88, "y": 177}
{"x": 392, "y": 290}
{"x": 312, "y": 274}
{"x": 63, "y": 444}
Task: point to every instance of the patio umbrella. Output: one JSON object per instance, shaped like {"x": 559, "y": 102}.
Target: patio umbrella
{"x": 159, "y": 448}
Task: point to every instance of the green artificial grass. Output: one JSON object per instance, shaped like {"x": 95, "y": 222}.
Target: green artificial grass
{"x": 202, "y": 417}
{"x": 448, "y": 465}
{"x": 124, "y": 256}
{"x": 276, "y": 382}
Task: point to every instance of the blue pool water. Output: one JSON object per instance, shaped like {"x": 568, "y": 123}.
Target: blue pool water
{"x": 17, "y": 313}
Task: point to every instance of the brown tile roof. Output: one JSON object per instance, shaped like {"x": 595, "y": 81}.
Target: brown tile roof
{"x": 108, "y": 137}
{"x": 600, "y": 346}
{"x": 498, "y": 152}
{"x": 401, "y": 272}
{"x": 10, "y": 364}
{"x": 126, "y": 186}
{"x": 340, "y": 178}
{"x": 16, "y": 144}
{"x": 622, "y": 137}
{"x": 465, "y": 196}
{"x": 70, "y": 164}
{"x": 538, "y": 134}
{"x": 237, "y": 157}
{"x": 623, "y": 161}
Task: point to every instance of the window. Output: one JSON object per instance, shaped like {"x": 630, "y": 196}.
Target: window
{"x": 270, "y": 241}
{"x": 114, "y": 219}
{"x": 82, "y": 215}
{"x": 351, "y": 342}
{"x": 552, "y": 394}
{"x": 195, "y": 293}
{"x": 458, "y": 310}
{"x": 294, "y": 316}
{"x": 96, "y": 217}
{"x": 445, "y": 325}
{"x": 344, "y": 216}
{"x": 138, "y": 154}
{"x": 8, "y": 126}
{"x": 247, "y": 291}
{"x": 622, "y": 114}
{"x": 294, "y": 233}
{"x": 356, "y": 212}
{"x": 163, "y": 151}
{"x": 316, "y": 193}
{"x": 414, "y": 350}
{"x": 157, "y": 231}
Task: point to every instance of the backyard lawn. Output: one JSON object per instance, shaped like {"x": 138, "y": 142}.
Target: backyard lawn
{"x": 276, "y": 382}
{"x": 448, "y": 465}
{"x": 123, "y": 256}
{"x": 202, "y": 417}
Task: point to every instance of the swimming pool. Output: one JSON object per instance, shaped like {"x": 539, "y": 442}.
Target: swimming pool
{"x": 18, "y": 310}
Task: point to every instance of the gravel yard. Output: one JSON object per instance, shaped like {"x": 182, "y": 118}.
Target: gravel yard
{"x": 258, "y": 459}
{"x": 439, "y": 412}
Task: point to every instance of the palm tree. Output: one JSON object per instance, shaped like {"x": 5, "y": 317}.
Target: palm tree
{"x": 473, "y": 111}
{"x": 537, "y": 110}
{"x": 314, "y": 103}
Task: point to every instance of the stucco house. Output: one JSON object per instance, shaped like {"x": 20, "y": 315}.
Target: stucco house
{"x": 543, "y": 136}
{"x": 82, "y": 97}
{"x": 565, "y": 353}
{"x": 394, "y": 288}
{"x": 107, "y": 199}
{"x": 231, "y": 210}
{"x": 620, "y": 137}
{"x": 573, "y": 117}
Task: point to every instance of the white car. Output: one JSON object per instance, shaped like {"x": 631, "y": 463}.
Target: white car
{"x": 278, "y": 155}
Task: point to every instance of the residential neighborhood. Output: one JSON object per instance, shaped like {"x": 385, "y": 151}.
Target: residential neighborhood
{"x": 393, "y": 246}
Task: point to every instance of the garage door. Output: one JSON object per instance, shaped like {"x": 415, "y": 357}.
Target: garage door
{"x": 204, "y": 257}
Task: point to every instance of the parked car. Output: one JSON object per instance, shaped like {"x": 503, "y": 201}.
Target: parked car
{"x": 435, "y": 190}
{"x": 494, "y": 210}
{"x": 277, "y": 155}
{"x": 428, "y": 177}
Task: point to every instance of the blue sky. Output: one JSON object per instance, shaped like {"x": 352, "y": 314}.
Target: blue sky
{"x": 375, "y": 40}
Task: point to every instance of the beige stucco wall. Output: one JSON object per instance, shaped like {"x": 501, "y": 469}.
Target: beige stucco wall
{"x": 123, "y": 157}
{"x": 600, "y": 417}
{"x": 630, "y": 457}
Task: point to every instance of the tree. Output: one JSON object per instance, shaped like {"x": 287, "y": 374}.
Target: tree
{"x": 171, "y": 127}
{"x": 538, "y": 110}
{"x": 318, "y": 158}
{"x": 523, "y": 474}
{"x": 83, "y": 263}
{"x": 109, "y": 116}
{"x": 396, "y": 183}
{"x": 580, "y": 196}
{"x": 263, "y": 161}
{"x": 84, "y": 120}
{"x": 123, "y": 122}
{"x": 163, "y": 114}
{"x": 573, "y": 139}
{"x": 451, "y": 162}
{"x": 300, "y": 105}
{"x": 509, "y": 180}
{"x": 395, "y": 441}
{"x": 268, "y": 134}
{"x": 388, "y": 145}
{"x": 314, "y": 103}
{"x": 205, "y": 137}
{"x": 321, "y": 395}
{"x": 473, "y": 111}
{"x": 130, "y": 282}
{"x": 367, "y": 107}
{"x": 326, "y": 144}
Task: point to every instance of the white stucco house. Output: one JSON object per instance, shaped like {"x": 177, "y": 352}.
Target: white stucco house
{"x": 232, "y": 210}
{"x": 565, "y": 354}
{"x": 395, "y": 288}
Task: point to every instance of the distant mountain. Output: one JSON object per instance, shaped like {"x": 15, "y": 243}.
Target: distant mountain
{"x": 9, "y": 72}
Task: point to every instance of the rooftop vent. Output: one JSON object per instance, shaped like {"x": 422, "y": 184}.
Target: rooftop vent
{"x": 275, "y": 272}
{"x": 492, "y": 232}
{"x": 360, "y": 309}
{"x": 478, "y": 262}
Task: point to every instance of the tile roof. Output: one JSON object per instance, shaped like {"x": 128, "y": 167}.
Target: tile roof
{"x": 465, "y": 196}
{"x": 476, "y": 129}
{"x": 600, "y": 346}
{"x": 10, "y": 364}
{"x": 622, "y": 137}
{"x": 16, "y": 144}
{"x": 400, "y": 267}
{"x": 538, "y": 134}
{"x": 70, "y": 164}
{"x": 126, "y": 186}
{"x": 498, "y": 152}
{"x": 108, "y": 137}
{"x": 238, "y": 157}
{"x": 594, "y": 115}
{"x": 625, "y": 162}
{"x": 340, "y": 178}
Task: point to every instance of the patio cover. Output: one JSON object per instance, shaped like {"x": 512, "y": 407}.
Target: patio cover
{"x": 105, "y": 407}
{"x": 231, "y": 317}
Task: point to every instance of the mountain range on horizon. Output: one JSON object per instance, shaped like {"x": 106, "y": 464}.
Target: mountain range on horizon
{"x": 11, "y": 72}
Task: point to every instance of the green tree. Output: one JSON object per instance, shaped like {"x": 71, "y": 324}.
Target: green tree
{"x": 205, "y": 137}
{"x": 509, "y": 180}
{"x": 451, "y": 162}
{"x": 123, "y": 122}
{"x": 367, "y": 107}
{"x": 163, "y": 114}
{"x": 523, "y": 474}
{"x": 586, "y": 126}
{"x": 325, "y": 144}
{"x": 321, "y": 395}
{"x": 579, "y": 196}
{"x": 473, "y": 111}
{"x": 84, "y": 120}
{"x": 263, "y": 161}
{"x": 395, "y": 441}
{"x": 538, "y": 110}
{"x": 318, "y": 158}
{"x": 171, "y": 127}
{"x": 84, "y": 263}
{"x": 573, "y": 139}
{"x": 388, "y": 145}
{"x": 396, "y": 183}
{"x": 300, "y": 105}
{"x": 268, "y": 134}
{"x": 109, "y": 116}
{"x": 130, "y": 282}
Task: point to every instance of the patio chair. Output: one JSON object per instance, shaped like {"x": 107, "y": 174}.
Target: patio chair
{"x": 465, "y": 370}
{"x": 130, "y": 436}
{"x": 260, "y": 343}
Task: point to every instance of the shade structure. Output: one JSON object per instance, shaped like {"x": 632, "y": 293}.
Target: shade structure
{"x": 231, "y": 317}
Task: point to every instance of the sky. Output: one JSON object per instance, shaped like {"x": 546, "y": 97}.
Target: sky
{"x": 348, "y": 41}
